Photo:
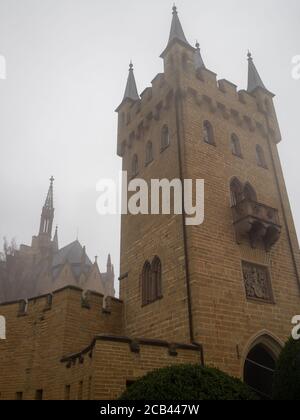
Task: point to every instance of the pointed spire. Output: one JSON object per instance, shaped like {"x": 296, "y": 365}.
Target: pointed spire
{"x": 254, "y": 79}
{"x": 176, "y": 32}
{"x": 48, "y": 212}
{"x": 176, "y": 28}
{"x": 55, "y": 240}
{"x": 109, "y": 264}
{"x": 131, "y": 91}
{"x": 49, "y": 199}
{"x": 199, "y": 63}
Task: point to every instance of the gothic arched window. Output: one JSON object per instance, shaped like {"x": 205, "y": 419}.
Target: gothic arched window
{"x": 156, "y": 279}
{"x": 135, "y": 166}
{"x": 165, "y": 137}
{"x": 236, "y": 191}
{"x": 146, "y": 283}
{"x": 151, "y": 282}
{"x": 259, "y": 371}
{"x": 149, "y": 153}
{"x": 236, "y": 146}
{"x": 208, "y": 133}
{"x": 260, "y": 157}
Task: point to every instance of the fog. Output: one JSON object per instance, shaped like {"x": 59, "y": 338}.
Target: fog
{"x": 67, "y": 64}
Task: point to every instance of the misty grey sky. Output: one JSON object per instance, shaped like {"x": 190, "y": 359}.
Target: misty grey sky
{"x": 67, "y": 64}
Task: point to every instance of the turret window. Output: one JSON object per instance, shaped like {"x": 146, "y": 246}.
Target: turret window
{"x": 165, "y": 138}
{"x": 260, "y": 157}
{"x": 236, "y": 146}
{"x": 208, "y": 133}
{"x": 149, "y": 153}
{"x": 151, "y": 282}
{"x": 236, "y": 192}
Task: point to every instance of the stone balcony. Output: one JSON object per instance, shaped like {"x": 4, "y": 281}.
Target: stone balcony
{"x": 257, "y": 222}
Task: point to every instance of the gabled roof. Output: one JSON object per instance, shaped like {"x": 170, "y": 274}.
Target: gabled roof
{"x": 72, "y": 253}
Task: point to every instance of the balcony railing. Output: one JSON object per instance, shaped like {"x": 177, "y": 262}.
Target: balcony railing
{"x": 258, "y": 222}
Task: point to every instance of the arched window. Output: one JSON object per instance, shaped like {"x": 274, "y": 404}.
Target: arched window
{"x": 146, "y": 283}
{"x": 249, "y": 192}
{"x": 165, "y": 137}
{"x": 156, "y": 279}
{"x": 151, "y": 282}
{"x": 149, "y": 153}
{"x": 236, "y": 191}
{"x": 260, "y": 157}
{"x": 135, "y": 166}
{"x": 208, "y": 133}
{"x": 259, "y": 371}
{"x": 236, "y": 146}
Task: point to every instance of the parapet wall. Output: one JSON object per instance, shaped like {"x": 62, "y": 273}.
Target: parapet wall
{"x": 39, "y": 332}
{"x": 69, "y": 345}
{"x": 111, "y": 363}
{"x": 222, "y": 96}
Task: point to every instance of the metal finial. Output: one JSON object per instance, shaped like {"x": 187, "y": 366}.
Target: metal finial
{"x": 249, "y": 55}
{"x": 52, "y": 180}
{"x": 174, "y": 9}
{"x": 130, "y": 66}
{"x": 197, "y": 45}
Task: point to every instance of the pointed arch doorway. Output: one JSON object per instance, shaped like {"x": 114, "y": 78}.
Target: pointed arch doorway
{"x": 260, "y": 365}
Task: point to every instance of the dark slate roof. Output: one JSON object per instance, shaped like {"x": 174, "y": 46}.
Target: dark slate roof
{"x": 176, "y": 33}
{"x": 176, "y": 28}
{"x": 254, "y": 79}
{"x": 131, "y": 91}
{"x": 71, "y": 253}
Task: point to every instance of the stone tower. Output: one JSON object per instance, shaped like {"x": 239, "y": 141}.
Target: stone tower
{"x": 231, "y": 284}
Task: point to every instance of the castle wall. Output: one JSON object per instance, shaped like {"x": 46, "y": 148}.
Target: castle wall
{"x": 39, "y": 337}
{"x": 224, "y": 319}
{"x": 145, "y": 236}
{"x": 117, "y": 362}
{"x": 76, "y": 349}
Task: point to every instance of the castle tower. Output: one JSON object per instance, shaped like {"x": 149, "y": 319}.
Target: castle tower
{"x": 232, "y": 283}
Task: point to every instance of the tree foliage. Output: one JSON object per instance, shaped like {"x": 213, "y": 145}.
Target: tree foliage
{"x": 188, "y": 382}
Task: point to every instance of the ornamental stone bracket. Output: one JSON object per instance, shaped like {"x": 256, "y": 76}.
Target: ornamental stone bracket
{"x": 256, "y": 222}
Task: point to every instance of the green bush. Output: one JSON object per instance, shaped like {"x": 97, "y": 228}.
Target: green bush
{"x": 286, "y": 386}
{"x": 188, "y": 382}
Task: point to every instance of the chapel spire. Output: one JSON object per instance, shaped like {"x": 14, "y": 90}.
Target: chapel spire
{"x": 55, "y": 240}
{"x": 47, "y": 215}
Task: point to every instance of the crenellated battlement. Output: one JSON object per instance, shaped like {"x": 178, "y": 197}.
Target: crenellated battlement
{"x": 84, "y": 299}
{"x": 220, "y": 97}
